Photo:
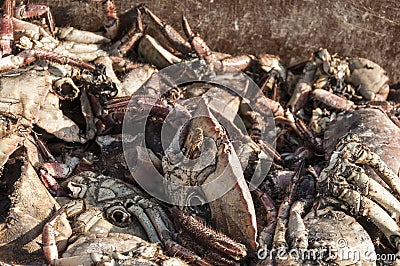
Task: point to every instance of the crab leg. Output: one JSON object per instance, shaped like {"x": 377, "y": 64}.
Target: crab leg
{"x": 121, "y": 47}
{"x": 29, "y": 56}
{"x": 365, "y": 207}
{"x": 267, "y": 234}
{"x": 284, "y": 212}
{"x": 155, "y": 216}
{"x": 366, "y": 156}
{"x": 296, "y": 228}
{"x": 145, "y": 222}
{"x": 177, "y": 250}
{"x": 6, "y": 30}
{"x": 332, "y": 100}
{"x": 30, "y": 11}
{"x": 372, "y": 189}
{"x": 49, "y": 237}
{"x": 170, "y": 33}
{"x": 211, "y": 256}
{"x": 208, "y": 236}
{"x": 303, "y": 88}
{"x": 204, "y": 52}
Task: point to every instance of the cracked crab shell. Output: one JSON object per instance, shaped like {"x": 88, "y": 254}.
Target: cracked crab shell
{"x": 19, "y": 98}
{"x": 233, "y": 213}
{"x": 30, "y": 207}
{"x": 375, "y": 129}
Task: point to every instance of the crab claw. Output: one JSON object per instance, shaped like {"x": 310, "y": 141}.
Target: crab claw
{"x": 210, "y": 166}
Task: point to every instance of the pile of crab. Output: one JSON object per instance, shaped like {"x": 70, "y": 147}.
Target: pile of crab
{"x": 121, "y": 149}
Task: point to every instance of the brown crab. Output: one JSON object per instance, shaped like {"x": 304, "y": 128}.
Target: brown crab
{"x": 107, "y": 205}
{"x": 335, "y": 81}
{"x": 25, "y": 206}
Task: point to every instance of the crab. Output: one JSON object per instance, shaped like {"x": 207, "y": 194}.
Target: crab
{"x": 338, "y": 82}
{"x": 21, "y": 223}
{"x": 105, "y": 205}
{"x": 206, "y": 164}
{"x": 300, "y": 233}
{"x": 23, "y": 106}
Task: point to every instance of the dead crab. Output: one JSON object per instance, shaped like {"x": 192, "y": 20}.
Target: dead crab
{"x": 346, "y": 183}
{"x": 21, "y": 223}
{"x": 107, "y": 205}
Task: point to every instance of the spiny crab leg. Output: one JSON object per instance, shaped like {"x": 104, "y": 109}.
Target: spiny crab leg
{"x": 30, "y": 11}
{"x": 177, "y": 250}
{"x": 202, "y": 233}
{"x": 211, "y": 256}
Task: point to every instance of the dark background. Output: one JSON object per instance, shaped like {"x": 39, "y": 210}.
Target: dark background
{"x": 289, "y": 28}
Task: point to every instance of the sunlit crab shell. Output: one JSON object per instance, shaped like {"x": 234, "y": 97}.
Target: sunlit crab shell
{"x": 374, "y": 128}
{"x": 26, "y": 99}
{"x": 122, "y": 249}
{"x": 369, "y": 78}
{"x": 233, "y": 213}
{"x": 345, "y": 239}
{"x": 30, "y": 206}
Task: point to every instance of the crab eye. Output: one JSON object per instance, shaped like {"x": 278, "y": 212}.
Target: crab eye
{"x": 118, "y": 216}
{"x": 77, "y": 191}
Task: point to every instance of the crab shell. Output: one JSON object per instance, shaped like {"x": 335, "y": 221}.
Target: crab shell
{"x": 30, "y": 206}
{"x": 233, "y": 212}
{"x": 27, "y": 96}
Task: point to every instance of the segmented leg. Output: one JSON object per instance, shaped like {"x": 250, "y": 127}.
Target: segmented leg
{"x": 363, "y": 206}
{"x": 267, "y": 234}
{"x": 296, "y": 228}
{"x": 349, "y": 184}
{"x": 145, "y": 222}
{"x": 213, "y": 257}
{"x": 358, "y": 153}
{"x": 332, "y": 100}
{"x": 49, "y": 237}
{"x": 122, "y": 46}
{"x": 177, "y": 41}
{"x": 30, "y": 11}
{"x": 157, "y": 217}
{"x": 175, "y": 249}
{"x": 6, "y": 30}
{"x": 205, "y": 53}
{"x": 284, "y": 212}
